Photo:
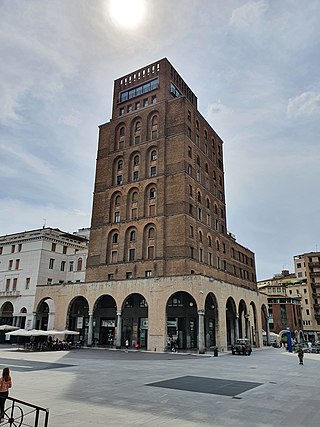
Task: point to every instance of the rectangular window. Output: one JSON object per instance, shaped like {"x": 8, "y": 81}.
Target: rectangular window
{"x": 134, "y": 213}
{"x": 119, "y": 180}
{"x": 190, "y": 209}
{"x": 53, "y": 247}
{"x": 152, "y": 210}
{"x": 198, "y": 140}
{"x": 114, "y": 257}
{"x": 145, "y": 102}
{"x": 132, "y": 254}
{"x": 191, "y": 252}
{"x": 71, "y": 266}
{"x": 191, "y": 231}
{"x": 138, "y": 105}
{"x": 64, "y": 249}
{"x": 14, "y": 284}
{"x": 49, "y": 281}
{"x": 129, "y": 108}
{"x": 190, "y": 152}
{"x": 51, "y": 263}
{"x": 110, "y": 276}
{"x": 199, "y": 214}
{"x": 189, "y": 115}
{"x": 62, "y": 265}
{"x": 117, "y": 217}
{"x": 150, "y": 252}
{"x": 27, "y": 282}
{"x": 121, "y": 112}
{"x": 1, "y": 250}
{"x": 17, "y": 264}
{"x": 210, "y": 258}
{"x": 129, "y": 275}
{"x": 10, "y": 264}
{"x": 306, "y": 301}
{"x": 148, "y": 273}
{"x": 153, "y": 99}
{"x": 189, "y": 132}
{"x": 7, "y": 285}
{"x": 201, "y": 255}
{"x": 20, "y": 247}
{"x": 135, "y": 176}
{"x": 307, "y": 312}
{"x": 190, "y": 190}
{"x": 13, "y": 248}
{"x": 153, "y": 171}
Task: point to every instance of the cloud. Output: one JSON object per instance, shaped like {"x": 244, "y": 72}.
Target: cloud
{"x": 306, "y": 104}
{"x": 249, "y": 14}
{"x": 218, "y": 111}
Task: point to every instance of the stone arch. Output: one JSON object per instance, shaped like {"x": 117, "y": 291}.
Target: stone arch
{"x": 243, "y": 320}
{"x": 211, "y": 320}
{"x": 153, "y": 125}
{"x": 134, "y": 170}
{"x": 115, "y": 206}
{"x": 6, "y": 313}
{"x": 135, "y": 320}
{"x": 132, "y": 203}
{"x": 265, "y": 322}
{"x": 131, "y": 244}
{"x": 253, "y": 318}
{"x": 45, "y": 312}
{"x": 104, "y": 321}
{"x": 136, "y": 131}
{"x": 120, "y": 135}
{"x": 182, "y": 320}
{"x": 150, "y": 200}
{"x": 232, "y": 331}
{"x": 78, "y": 316}
{"x": 149, "y": 241}
{"x": 113, "y": 242}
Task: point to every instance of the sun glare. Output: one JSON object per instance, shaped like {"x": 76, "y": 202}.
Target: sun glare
{"x": 127, "y": 13}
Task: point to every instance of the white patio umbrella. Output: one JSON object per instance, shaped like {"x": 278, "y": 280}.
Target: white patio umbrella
{"x": 25, "y": 333}
{"x": 8, "y": 328}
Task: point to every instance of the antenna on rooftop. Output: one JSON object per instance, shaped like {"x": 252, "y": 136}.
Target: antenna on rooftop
{"x": 44, "y": 222}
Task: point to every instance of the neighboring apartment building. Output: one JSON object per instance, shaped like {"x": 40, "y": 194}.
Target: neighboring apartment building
{"x": 27, "y": 259}
{"x": 161, "y": 262}
{"x": 307, "y": 268}
{"x": 284, "y": 292}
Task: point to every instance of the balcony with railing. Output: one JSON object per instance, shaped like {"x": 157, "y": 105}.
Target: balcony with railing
{"x": 9, "y": 293}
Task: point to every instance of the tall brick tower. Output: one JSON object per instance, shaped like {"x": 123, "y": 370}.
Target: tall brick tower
{"x": 159, "y": 202}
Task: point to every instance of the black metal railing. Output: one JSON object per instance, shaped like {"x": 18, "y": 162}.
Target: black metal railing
{"x": 22, "y": 414}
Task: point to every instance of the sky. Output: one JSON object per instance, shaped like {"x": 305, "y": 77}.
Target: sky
{"x": 254, "y": 66}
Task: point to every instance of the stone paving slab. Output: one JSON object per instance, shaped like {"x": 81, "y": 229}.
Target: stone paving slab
{"x": 109, "y": 388}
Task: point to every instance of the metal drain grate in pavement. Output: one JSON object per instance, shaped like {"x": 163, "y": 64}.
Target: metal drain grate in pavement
{"x": 207, "y": 385}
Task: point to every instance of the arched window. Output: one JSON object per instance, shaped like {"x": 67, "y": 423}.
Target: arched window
{"x": 122, "y": 131}
{"x": 205, "y": 134}
{"x": 153, "y": 155}
{"x": 209, "y": 241}
{"x": 137, "y": 132}
{"x": 133, "y": 236}
{"x": 198, "y": 160}
{"x": 152, "y": 193}
{"x": 151, "y": 233}
{"x": 200, "y": 236}
{"x": 79, "y": 264}
{"x": 134, "y": 197}
{"x": 197, "y": 125}
{"x": 215, "y": 209}
{"x": 154, "y": 127}
{"x": 115, "y": 238}
{"x": 117, "y": 200}
{"x": 207, "y": 168}
{"x": 189, "y": 169}
{"x": 136, "y": 160}
{"x": 217, "y": 245}
{"x": 120, "y": 165}
{"x": 199, "y": 197}
{"x": 208, "y": 203}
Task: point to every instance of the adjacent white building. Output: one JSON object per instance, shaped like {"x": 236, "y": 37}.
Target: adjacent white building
{"x": 27, "y": 259}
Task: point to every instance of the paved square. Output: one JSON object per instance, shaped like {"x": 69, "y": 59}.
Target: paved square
{"x": 207, "y": 385}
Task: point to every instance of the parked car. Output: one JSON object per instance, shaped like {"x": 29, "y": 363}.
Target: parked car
{"x": 242, "y": 346}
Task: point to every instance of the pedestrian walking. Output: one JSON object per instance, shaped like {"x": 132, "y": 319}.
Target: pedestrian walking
{"x": 127, "y": 345}
{"x": 5, "y": 384}
{"x": 300, "y": 355}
